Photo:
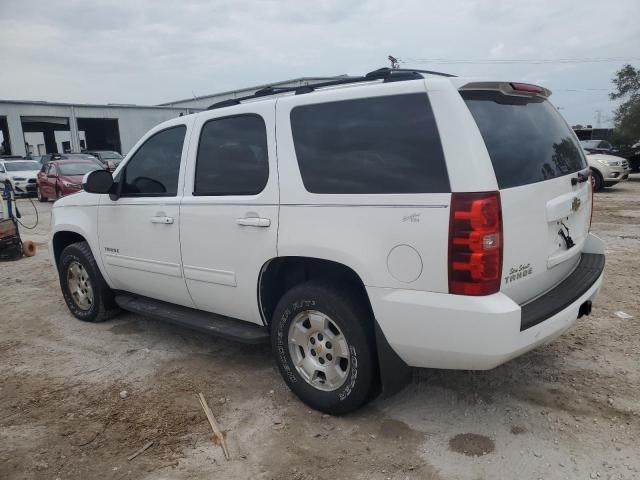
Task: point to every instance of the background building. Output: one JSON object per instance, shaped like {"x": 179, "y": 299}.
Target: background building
{"x": 36, "y": 128}
{"x": 47, "y": 127}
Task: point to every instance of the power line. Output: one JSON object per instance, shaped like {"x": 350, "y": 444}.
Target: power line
{"x": 582, "y": 89}
{"x": 510, "y": 61}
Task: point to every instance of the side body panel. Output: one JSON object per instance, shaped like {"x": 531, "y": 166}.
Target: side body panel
{"x": 222, "y": 251}
{"x": 140, "y": 253}
{"x": 389, "y": 240}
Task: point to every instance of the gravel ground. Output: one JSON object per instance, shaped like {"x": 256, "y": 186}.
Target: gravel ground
{"x": 570, "y": 409}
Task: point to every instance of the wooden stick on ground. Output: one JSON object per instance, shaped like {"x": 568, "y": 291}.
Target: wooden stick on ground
{"x": 138, "y": 452}
{"x": 214, "y": 425}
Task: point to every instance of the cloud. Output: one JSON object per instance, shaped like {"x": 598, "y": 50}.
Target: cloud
{"x": 147, "y": 52}
{"x": 497, "y": 51}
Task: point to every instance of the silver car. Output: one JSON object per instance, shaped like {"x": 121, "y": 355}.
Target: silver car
{"x": 607, "y": 169}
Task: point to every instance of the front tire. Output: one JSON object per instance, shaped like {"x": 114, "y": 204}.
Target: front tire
{"x": 598, "y": 181}
{"x": 324, "y": 347}
{"x": 85, "y": 291}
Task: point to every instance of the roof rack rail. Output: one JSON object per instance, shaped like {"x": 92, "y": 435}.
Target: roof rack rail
{"x": 385, "y": 74}
{"x": 390, "y": 71}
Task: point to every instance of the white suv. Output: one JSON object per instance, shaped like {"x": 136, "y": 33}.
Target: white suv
{"x": 362, "y": 226}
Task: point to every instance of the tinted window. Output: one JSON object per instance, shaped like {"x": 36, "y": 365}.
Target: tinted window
{"x": 154, "y": 168}
{"x": 527, "y": 139}
{"x": 232, "y": 157}
{"x": 372, "y": 145}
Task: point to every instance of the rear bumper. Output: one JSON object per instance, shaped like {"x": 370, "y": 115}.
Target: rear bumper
{"x": 588, "y": 271}
{"x": 435, "y": 330}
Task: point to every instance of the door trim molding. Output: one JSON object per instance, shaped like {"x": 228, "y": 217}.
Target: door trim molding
{"x": 143, "y": 264}
{"x": 210, "y": 275}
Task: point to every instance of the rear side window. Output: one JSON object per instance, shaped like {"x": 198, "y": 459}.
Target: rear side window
{"x": 232, "y": 157}
{"x": 527, "y": 139}
{"x": 372, "y": 145}
{"x": 154, "y": 168}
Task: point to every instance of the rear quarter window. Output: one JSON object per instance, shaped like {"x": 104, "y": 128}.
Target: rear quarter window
{"x": 527, "y": 139}
{"x": 373, "y": 145}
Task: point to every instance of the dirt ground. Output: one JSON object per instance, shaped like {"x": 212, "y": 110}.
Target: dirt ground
{"x": 570, "y": 409}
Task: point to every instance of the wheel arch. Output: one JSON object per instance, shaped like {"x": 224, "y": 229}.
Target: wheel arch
{"x": 66, "y": 235}
{"x": 61, "y": 240}
{"x": 279, "y": 274}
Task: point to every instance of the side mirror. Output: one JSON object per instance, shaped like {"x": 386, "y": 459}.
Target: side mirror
{"x": 98, "y": 181}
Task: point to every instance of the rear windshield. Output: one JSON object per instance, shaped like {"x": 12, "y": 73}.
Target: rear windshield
{"x": 527, "y": 139}
{"x": 111, "y": 155}
{"x": 77, "y": 168}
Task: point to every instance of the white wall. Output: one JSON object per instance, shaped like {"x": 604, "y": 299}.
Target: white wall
{"x": 34, "y": 139}
{"x": 62, "y": 136}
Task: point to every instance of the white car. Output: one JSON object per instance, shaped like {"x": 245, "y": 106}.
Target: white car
{"x": 607, "y": 170}
{"x": 361, "y": 226}
{"x": 20, "y": 174}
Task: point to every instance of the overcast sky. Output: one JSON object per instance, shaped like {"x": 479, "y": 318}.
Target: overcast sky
{"x": 148, "y": 52}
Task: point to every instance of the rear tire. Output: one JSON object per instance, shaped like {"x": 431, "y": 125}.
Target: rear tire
{"x": 85, "y": 291}
{"x": 324, "y": 346}
{"x": 41, "y": 197}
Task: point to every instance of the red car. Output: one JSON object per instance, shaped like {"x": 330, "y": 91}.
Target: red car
{"x": 62, "y": 177}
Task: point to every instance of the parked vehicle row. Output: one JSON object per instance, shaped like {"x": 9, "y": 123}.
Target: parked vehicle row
{"x": 630, "y": 153}
{"x": 49, "y": 176}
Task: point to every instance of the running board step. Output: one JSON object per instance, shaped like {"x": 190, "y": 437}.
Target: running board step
{"x": 211, "y": 323}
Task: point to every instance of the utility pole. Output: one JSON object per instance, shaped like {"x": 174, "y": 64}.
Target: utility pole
{"x": 598, "y": 118}
{"x": 395, "y": 63}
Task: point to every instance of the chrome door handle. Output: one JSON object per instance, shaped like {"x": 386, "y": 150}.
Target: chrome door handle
{"x": 164, "y": 220}
{"x": 253, "y": 222}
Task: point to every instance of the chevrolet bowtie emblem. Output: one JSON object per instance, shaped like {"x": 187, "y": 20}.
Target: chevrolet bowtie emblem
{"x": 575, "y": 204}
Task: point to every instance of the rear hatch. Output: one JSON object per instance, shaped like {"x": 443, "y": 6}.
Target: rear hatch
{"x": 542, "y": 175}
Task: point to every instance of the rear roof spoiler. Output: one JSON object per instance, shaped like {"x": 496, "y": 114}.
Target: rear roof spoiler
{"x": 509, "y": 88}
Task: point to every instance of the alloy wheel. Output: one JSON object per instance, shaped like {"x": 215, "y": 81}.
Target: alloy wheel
{"x": 79, "y": 285}
{"x": 319, "y": 350}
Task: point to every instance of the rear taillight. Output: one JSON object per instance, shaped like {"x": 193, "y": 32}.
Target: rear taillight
{"x": 527, "y": 87}
{"x": 475, "y": 243}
